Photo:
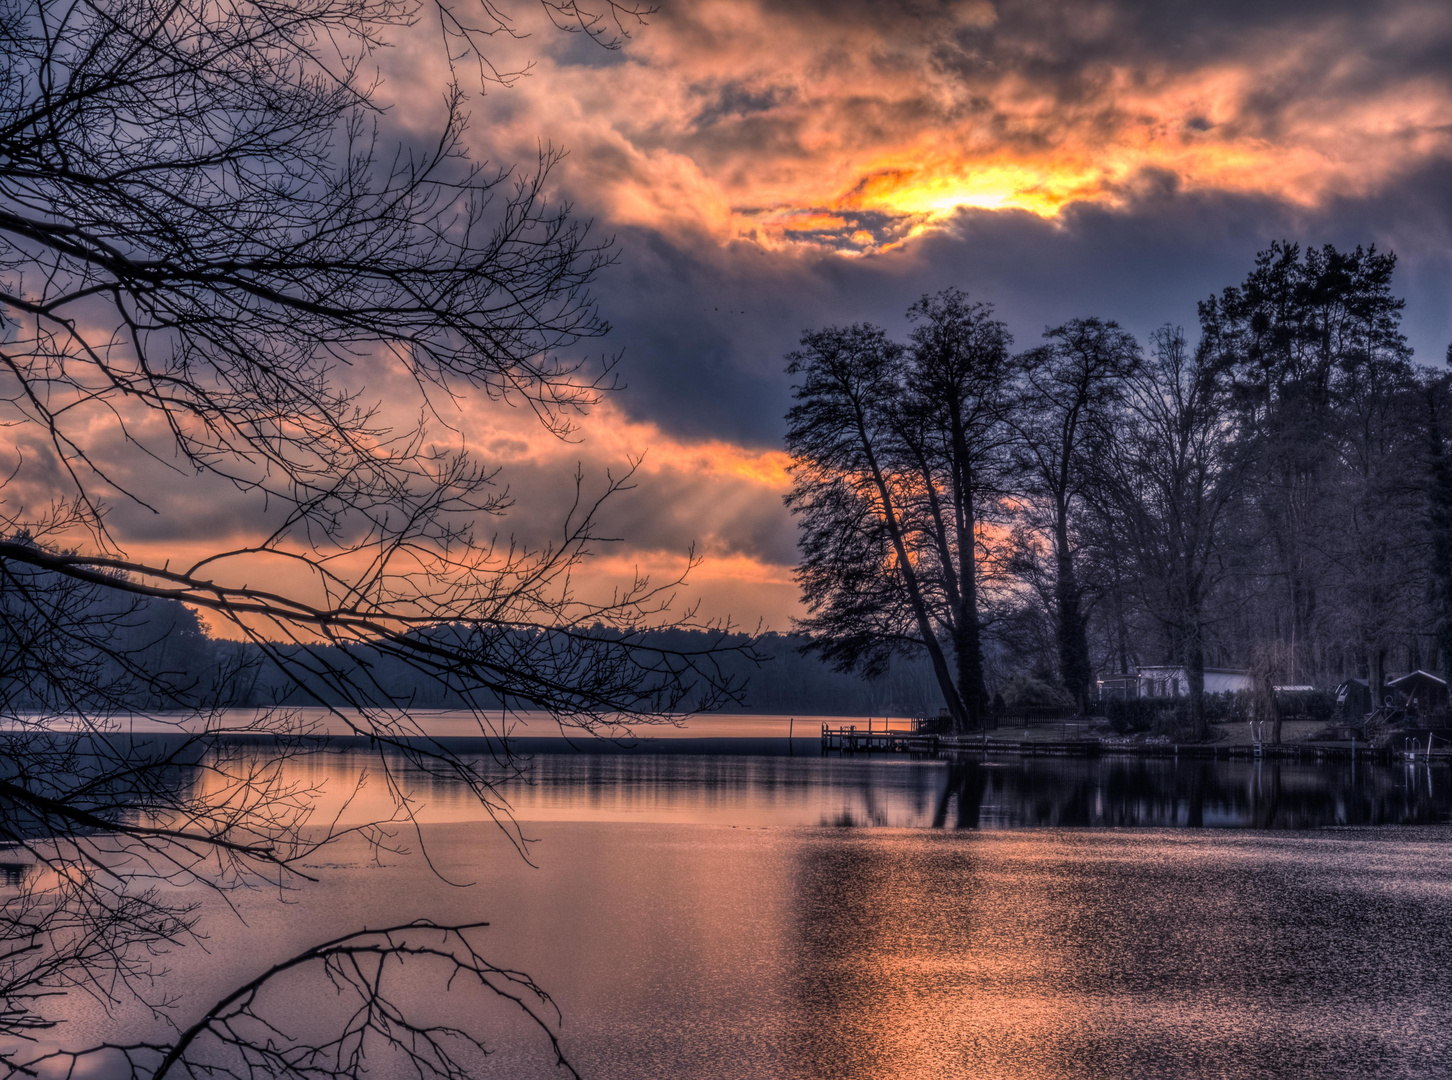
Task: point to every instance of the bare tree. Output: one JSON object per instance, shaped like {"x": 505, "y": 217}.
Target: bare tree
{"x": 1069, "y": 391}
{"x": 1165, "y": 488}
{"x": 895, "y": 451}
{"x": 207, "y": 242}
{"x": 374, "y": 977}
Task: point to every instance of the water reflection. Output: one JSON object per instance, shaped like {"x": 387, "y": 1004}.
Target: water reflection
{"x": 1072, "y": 954}
{"x": 962, "y": 794}
{"x": 12, "y": 874}
{"x": 949, "y": 944}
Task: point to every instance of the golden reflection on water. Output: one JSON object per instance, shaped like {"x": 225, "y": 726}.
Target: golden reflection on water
{"x": 718, "y": 951}
{"x": 892, "y": 949}
{"x": 1067, "y": 955}
{"x": 355, "y": 787}
{"x": 683, "y": 940}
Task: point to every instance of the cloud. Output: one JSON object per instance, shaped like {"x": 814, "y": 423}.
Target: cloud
{"x": 772, "y": 165}
{"x": 856, "y": 127}
{"x": 716, "y": 498}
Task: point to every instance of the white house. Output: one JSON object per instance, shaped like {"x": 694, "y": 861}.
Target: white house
{"x": 1171, "y": 680}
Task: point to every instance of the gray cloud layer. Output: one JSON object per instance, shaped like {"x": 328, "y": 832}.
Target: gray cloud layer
{"x": 704, "y": 329}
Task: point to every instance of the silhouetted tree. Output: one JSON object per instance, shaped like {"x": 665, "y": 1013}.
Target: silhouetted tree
{"x": 1068, "y": 391}
{"x": 207, "y": 247}
{"x": 895, "y": 450}
{"x": 1439, "y": 524}
{"x": 1164, "y": 488}
{"x": 1313, "y": 344}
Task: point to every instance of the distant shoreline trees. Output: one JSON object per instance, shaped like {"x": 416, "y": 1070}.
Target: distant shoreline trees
{"x": 1278, "y": 487}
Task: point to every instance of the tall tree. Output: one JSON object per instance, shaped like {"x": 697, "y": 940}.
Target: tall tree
{"x": 1378, "y": 497}
{"x": 1067, "y": 396}
{"x": 894, "y": 452}
{"x": 864, "y": 595}
{"x": 1164, "y": 488}
{"x": 1293, "y": 337}
{"x": 957, "y": 402}
{"x": 1438, "y": 398}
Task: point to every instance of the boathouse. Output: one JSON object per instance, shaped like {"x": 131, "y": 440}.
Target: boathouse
{"x": 1425, "y": 692}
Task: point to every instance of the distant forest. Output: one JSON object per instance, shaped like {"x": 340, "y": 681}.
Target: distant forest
{"x": 154, "y": 654}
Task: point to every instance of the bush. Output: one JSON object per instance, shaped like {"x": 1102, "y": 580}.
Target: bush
{"x": 1175, "y": 723}
{"x": 1135, "y": 714}
{"x": 1148, "y": 714}
{"x": 1317, "y": 704}
{"x": 1025, "y": 691}
{"x": 1230, "y": 707}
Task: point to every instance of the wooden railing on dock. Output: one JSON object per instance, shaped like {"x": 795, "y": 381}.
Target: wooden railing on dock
{"x": 854, "y": 739}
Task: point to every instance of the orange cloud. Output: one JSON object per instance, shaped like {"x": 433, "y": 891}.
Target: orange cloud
{"x": 607, "y": 435}
{"x": 721, "y": 499}
{"x": 782, "y": 126}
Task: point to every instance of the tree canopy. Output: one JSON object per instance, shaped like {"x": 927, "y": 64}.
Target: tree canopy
{"x": 1270, "y": 494}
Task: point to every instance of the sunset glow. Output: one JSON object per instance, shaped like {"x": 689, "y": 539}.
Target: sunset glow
{"x": 783, "y": 128}
{"x": 725, "y": 539}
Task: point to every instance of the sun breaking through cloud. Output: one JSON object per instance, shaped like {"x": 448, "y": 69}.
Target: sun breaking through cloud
{"x": 857, "y": 127}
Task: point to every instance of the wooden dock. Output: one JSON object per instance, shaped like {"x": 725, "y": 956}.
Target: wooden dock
{"x": 977, "y": 744}
{"x": 886, "y": 740}
{"x": 854, "y": 740}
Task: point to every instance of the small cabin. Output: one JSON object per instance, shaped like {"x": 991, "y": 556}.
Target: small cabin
{"x": 1118, "y": 687}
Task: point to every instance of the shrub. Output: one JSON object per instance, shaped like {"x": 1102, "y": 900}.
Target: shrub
{"x": 1025, "y": 691}
{"x": 1147, "y": 714}
{"x": 1317, "y": 704}
{"x": 1174, "y": 723}
{"x": 1135, "y": 714}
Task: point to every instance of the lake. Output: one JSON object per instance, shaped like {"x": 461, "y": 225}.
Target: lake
{"x": 762, "y": 918}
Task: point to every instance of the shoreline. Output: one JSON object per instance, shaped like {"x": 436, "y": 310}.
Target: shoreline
{"x": 942, "y": 748}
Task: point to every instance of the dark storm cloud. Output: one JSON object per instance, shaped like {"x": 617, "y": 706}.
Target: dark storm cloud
{"x": 770, "y": 167}
{"x": 1123, "y": 158}
{"x": 705, "y": 331}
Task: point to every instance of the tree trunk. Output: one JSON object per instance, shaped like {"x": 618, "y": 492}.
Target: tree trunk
{"x": 967, "y": 636}
{"x": 1376, "y": 675}
{"x": 1439, "y": 497}
{"x": 956, "y": 705}
{"x": 968, "y": 646}
{"x": 1121, "y": 627}
{"x": 1073, "y": 636}
{"x": 1195, "y": 673}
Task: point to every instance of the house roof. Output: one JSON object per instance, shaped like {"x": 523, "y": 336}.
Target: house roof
{"x": 1415, "y": 674}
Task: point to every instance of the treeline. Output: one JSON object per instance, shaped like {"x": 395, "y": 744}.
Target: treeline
{"x": 1273, "y": 493}
{"x": 73, "y": 648}
{"x": 772, "y": 676}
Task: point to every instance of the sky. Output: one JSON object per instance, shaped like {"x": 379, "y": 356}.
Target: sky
{"x": 767, "y": 167}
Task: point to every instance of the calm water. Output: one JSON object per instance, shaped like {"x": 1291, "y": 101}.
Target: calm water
{"x": 901, "y": 792}
{"x": 771, "y": 918}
